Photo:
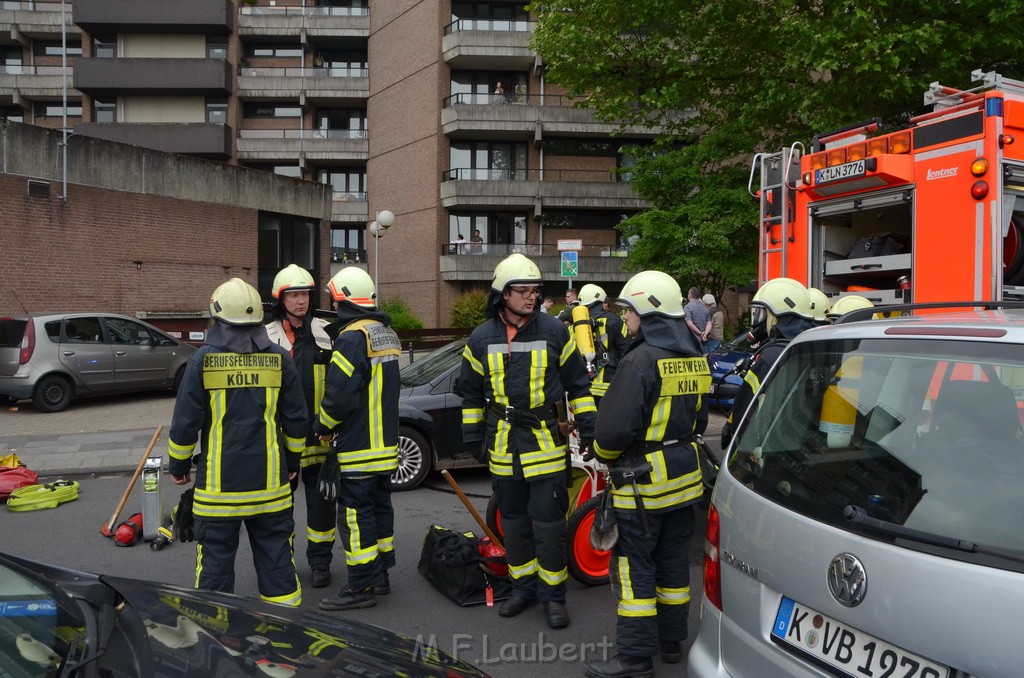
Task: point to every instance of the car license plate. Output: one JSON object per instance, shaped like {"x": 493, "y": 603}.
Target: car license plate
{"x": 848, "y": 170}
{"x": 845, "y": 648}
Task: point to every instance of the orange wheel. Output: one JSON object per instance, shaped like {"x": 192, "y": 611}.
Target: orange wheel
{"x": 493, "y": 517}
{"x": 586, "y": 564}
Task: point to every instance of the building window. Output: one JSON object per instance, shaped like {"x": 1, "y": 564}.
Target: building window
{"x": 343, "y": 63}
{"x": 11, "y": 59}
{"x": 488, "y": 161}
{"x": 256, "y": 110}
{"x": 286, "y": 239}
{"x": 12, "y": 113}
{"x": 216, "y": 48}
{"x": 217, "y": 111}
{"x": 479, "y": 87}
{"x": 502, "y": 232}
{"x": 104, "y": 111}
{"x": 490, "y": 16}
{"x": 342, "y": 122}
{"x": 47, "y": 109}
{"x": 104, "y": 47}
{"x": 347, "y": 183}
{"x": 54, "y": 48}
{"x": 284, "y": 50}
{"x": 348, "y": 245}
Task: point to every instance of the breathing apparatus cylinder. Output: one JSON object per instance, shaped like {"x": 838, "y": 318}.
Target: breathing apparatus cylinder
{"x": 839, "y": 404}
{"x": 583, "y": 330}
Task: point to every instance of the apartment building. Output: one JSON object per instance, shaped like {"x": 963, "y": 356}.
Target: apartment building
{"x": 435, "y": 110}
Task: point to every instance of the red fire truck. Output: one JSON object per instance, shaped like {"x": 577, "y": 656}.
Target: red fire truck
{"x": 933, "y": 212}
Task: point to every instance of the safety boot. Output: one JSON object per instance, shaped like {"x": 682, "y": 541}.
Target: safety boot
{"x": 515, "y": 605}
{"x": 557, "y": 615}
{"x": 321, "y": 575}
{"x": 621, "y": 666}
{"x": 671, "y": 651}
{"x": 350, "y": 599}
{"x": 383, "y": 588}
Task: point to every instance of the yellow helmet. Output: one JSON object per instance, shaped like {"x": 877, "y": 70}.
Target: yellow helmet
{"x": 782, "y": 296}
{"x": 652, "y": 292}
{"x": 353, "y": 284}
{"x": 236, "y": 302}
{"x": 851, "y": 302}
{"x": 819, "y": 304}
{"x": 591, "y": 293}
{"x": 292, "y": 278}
{"x": 513, "y": 269}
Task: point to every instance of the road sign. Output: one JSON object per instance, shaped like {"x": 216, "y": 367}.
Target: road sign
{"x": 570, "y": 264}
{"x": 570, "y": 245}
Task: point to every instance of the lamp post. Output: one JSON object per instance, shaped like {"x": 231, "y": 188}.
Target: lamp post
{"x": 378, "y": 227}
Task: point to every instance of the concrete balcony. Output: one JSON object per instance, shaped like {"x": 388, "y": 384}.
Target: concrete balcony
{"x": 313, "y": 86}
{"x": 536, "y": 190}
{"x": 169, "y": 77}
{"x": 27, "y": 21}
{"x": 202, "y": 139}
{"x": 214, "y": 17}
{"x": 333, "y": 22}
{"x": 350, "y": 208}
{"x": 595, "y": 263}
{"x": 18, "y": 83}
{"x": 475, "y": 44}
{"x": 311, "y": 144}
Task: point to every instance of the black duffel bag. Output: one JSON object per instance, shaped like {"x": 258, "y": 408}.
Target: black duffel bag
{"x": 451, "y": 562}
{"x": 878, "y": 245}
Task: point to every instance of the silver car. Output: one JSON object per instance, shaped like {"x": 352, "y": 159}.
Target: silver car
{"x": 867, "y": 519}
{"x": 52, "y": 358}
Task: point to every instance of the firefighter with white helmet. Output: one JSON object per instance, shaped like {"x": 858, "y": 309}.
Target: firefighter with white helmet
{"x": 646, "y": 428}
{"x": 850, "y": 302}
{"x": 359, "y": 411}
{"x": 294, "y": 328}
{"x": 242, "y": 396}
{"x": 516, "y": 367}
{"x": 779, "y": 311}
{"x": 820, "y": 305}
{"x": 609, "y": 337}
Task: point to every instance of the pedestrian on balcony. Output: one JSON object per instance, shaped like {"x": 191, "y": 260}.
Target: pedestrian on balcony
{"x": 458, "y": 245}
{"x": 477, "y": 243}
{"x": 499, "y": 93}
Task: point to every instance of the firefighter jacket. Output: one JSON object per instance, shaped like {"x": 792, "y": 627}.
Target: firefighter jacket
{"x": 528, "y": 369}
{"x": 310, "y": 348}
{"x": 360, "y": 403}
{"x": 651, "y": 413}
{"x": 611, "y": 340}
{"x": 241, "y": 396}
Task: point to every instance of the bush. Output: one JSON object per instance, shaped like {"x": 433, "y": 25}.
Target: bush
{"x": 468, "y": 310}
{"x": 401, "y": 317}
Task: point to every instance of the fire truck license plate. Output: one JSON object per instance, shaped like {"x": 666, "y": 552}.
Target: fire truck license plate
{"x": 847, "y": 170}
{"x": 846, "y": 649}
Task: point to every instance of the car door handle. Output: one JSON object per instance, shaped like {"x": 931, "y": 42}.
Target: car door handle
{"x": 69, "y": 353}
{"x": 120, "y": 352}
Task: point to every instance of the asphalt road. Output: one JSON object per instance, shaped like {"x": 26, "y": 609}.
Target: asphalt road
{"x": 70, "y": 536}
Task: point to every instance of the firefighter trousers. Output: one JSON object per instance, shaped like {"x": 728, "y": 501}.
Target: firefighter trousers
{"x": 366, "y": 527}
{"x": 270, "y": 537}
{"x": 533, "y": 523}
{"x": 321, "y": 516}
{"x": 651, "y": 579}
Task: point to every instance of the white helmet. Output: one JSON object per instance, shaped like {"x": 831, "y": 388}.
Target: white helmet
{"x": 513, "y": 269}
{"x": 591, "y": 294}
{"x": 292, "y": 278}
{"x": 819, "y": 304}
{"x": 353, "y": 284}
{"x": 652, "y": 292}
{"x": 236, "y": 302}
{"x": 851, "y": 302}
{"x": 782, "y": 296}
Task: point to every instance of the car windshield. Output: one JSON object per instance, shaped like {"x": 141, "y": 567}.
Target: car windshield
{"x": 11, "y": 332}
{"x": 925, "y": 434}
{"x": 424, "y": 371}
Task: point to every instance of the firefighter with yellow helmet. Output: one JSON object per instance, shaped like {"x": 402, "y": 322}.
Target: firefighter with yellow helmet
{"x": 360, "y": 411}
{"x": 646, "y": 428}
{"x": 516, "y": 366}
{"x": 820, "y": 306}
{"x": 851, "y": 302}
{"x": 609, "y": 337}
{"x": 779, "y": 311}
{"x": 241, "y": 395}
{"x": 294, "y": 328}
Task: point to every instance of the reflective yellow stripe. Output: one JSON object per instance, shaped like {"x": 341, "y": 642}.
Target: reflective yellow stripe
{"x": 294, "y": 445}
{"x": 538, "y": 368}
{"x": 752, "y": 380}
{"x": 625, "y": 583}
{"x": 177, "y": 451}
{"x": 474, "y": 364}
{"x": 567, "y": 351}
{"x": 199, "y": 563}
{"x": 319, "y": 386}
{"x": 552, "y": 578}
{"x": 660, "y": 416}
{"x": 639, "y": 607}
{"x": 599, "y": 387}
{"x": 583, "y": 404}
{"x": 243, "y": 511}
{"x": 312, "y": 456}
{"x": 520, "y": 571}
{"x": 218, "y": 405}
{"x": 273, "y": 464}
{"x": 318, "y": 537}
{"x": 386, "y": 544}
{"x": 472, "y": 415}
{"x": 667, "y": 596}
{"x": 375, "y": 415}
{"x": 354, "y": 553}
{"x": 293, "y": 599}
{"x": 342, "y": 363}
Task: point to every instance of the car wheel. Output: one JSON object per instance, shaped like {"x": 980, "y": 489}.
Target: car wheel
{"x": 413, "y": 460}
{"x": 177, "y": 380}
{"x": 586, "y": 564}
{"x": 52, "y": 394}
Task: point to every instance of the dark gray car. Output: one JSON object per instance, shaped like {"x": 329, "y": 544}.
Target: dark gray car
{"x": 52, "y": 358}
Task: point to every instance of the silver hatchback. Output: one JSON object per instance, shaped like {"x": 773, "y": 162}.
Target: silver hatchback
{"x": 52, "y": 358}
{"x": 867, "y": 519}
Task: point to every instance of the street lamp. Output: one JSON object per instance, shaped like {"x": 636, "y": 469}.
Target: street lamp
{"x": 378, "y": 227}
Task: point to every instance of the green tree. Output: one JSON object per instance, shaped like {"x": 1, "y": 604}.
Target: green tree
{"x": 754, "y": 76}
{"x": 401, "y": 317}
{"x": 468, "y": 309}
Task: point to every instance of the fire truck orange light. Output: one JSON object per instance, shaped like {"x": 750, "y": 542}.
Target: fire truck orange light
{"x": 818, "y": 161}
{"x": 979, "y": 190}
{"x": 856, "y": 152}
{"x": 837, "y": 156}
{"x": 878, "y": 146}
{"x": 900, "y": 143}
{"x": 979, "y": 167}
{"x": 1005, "y": 140}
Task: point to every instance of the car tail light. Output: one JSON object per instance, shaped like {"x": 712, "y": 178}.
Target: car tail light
{"x": 712, "y": 561}
{"x": 28, "y": 342}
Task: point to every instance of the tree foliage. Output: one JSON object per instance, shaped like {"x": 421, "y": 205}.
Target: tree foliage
{"x": 754, "y": 76}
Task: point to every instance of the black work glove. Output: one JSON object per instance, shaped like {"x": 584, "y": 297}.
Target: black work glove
{"x": 480, "y": 451}
{"x": 328, "y": 481}
{"x": 587, "y": 448}
{"x": 184, "y": 524}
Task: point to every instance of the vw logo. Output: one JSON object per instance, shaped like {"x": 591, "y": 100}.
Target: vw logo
{"x": 846, "y": 580}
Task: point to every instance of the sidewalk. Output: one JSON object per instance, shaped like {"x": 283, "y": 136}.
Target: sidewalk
{"x": 84, "y": 453}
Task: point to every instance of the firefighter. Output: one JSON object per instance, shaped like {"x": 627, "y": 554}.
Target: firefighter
{"x": 779, "y": 311}
{"x": 850, "y": 302}
{"x": 295, "y": 329}
{"x": 820, "y": 306}
{"x": 609, "y": 336}
{"x": 517, "y": 367}
{"x": 241, "y": 395}
{"x": 646, "y": 428}
{"x": 360, "y": 409}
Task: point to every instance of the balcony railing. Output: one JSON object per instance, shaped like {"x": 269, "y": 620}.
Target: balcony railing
{"x": 504, "y": 249}
{"x": 479, "y": 174}
{"x": 344, "y": 255}
{"x": 510, "y": 99}
{"x": 348, "y": 196}
{"x": 303, "y": 72}
{"x": 34, "y": 70}
{"x": 305, "y": 11}
{"x": 497, "y": 25}
{"x": 301, "y": 134}
{"x": 32, "y": 6}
